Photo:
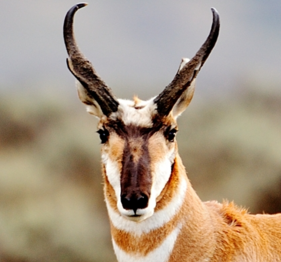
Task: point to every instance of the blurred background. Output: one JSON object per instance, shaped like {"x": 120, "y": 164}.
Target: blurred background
{"x": 51, "y": 200}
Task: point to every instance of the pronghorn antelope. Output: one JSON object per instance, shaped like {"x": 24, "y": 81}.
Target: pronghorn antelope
{"x": 155, "y": 215}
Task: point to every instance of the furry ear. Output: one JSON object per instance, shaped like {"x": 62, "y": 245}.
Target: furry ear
{"x": 184, "y": 100}
{"x": 92, "y": 106}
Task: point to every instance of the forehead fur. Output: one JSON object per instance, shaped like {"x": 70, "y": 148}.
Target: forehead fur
{"x": 136, "y": 112}
{"x": 136, "y": 117}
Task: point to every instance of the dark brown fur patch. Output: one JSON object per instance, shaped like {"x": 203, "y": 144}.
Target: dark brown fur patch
{"x": 136, "y": 176}
{"x": 135, "y": 167}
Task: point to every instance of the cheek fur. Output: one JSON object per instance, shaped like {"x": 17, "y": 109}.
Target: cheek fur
{"x": 112, "y": 159}
{"x": 116, "y": 148}
{"x": 161, "y": 174}
{"x": 113, "y": 175}
{"x": 162, "y": 156}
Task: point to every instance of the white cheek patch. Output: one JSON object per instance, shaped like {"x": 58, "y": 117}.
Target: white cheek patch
{"x": 113, "y": 174}
{"x": 161, "y": 174}
{"x": 162, "y": 158}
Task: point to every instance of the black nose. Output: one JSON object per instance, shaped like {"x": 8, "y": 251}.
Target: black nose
{"x": 134, "y": 201}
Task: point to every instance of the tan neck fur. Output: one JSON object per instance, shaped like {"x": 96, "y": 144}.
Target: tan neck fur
{"x": 198, "y": 231}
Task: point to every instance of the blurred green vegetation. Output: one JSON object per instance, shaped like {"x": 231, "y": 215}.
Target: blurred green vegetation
{"x": 51, "y": 200}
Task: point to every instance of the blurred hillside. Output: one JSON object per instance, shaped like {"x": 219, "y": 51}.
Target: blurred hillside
{"x": 51, "y": 200}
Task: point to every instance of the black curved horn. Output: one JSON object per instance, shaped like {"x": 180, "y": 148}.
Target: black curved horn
{"x": 187, "y": 72}
{"x": 83, "y": 70}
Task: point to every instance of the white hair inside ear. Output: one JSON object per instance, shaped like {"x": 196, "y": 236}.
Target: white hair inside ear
{"x": 184, "y": 100}
{"x": 92, "y": 106}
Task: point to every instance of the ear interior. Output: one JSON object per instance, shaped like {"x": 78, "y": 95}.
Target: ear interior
{"x": 184, "y": 100}
{"x": 92, "y": 106}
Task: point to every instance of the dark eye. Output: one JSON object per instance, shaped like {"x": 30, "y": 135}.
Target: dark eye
{"x": 103, "y": 135}
{"x": 171, "y": 134}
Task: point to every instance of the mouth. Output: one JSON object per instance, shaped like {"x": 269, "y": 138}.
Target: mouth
{"x": 135, "y": 217}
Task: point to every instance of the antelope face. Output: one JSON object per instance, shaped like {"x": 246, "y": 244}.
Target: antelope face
{"x": 138, "y": 151}
{"x": 138, "y": 137}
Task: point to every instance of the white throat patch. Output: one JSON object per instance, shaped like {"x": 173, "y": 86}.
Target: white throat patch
{"x": 161, "y": 253}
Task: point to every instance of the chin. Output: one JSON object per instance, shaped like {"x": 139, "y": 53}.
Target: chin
{"x": 134, "y": 218}
{"x": 141, "y": 214}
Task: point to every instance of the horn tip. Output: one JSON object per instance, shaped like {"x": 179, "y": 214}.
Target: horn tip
{"x": 214, "y": 10}
{"x": 80, "y": 5}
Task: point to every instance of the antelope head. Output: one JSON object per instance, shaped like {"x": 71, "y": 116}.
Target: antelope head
{"x": 138, "y": 137}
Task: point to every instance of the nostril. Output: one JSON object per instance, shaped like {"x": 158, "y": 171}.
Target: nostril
{"x": 134, "y": 201}
{"x": 126, "y": 202}
{"x": 142, "y": 201}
